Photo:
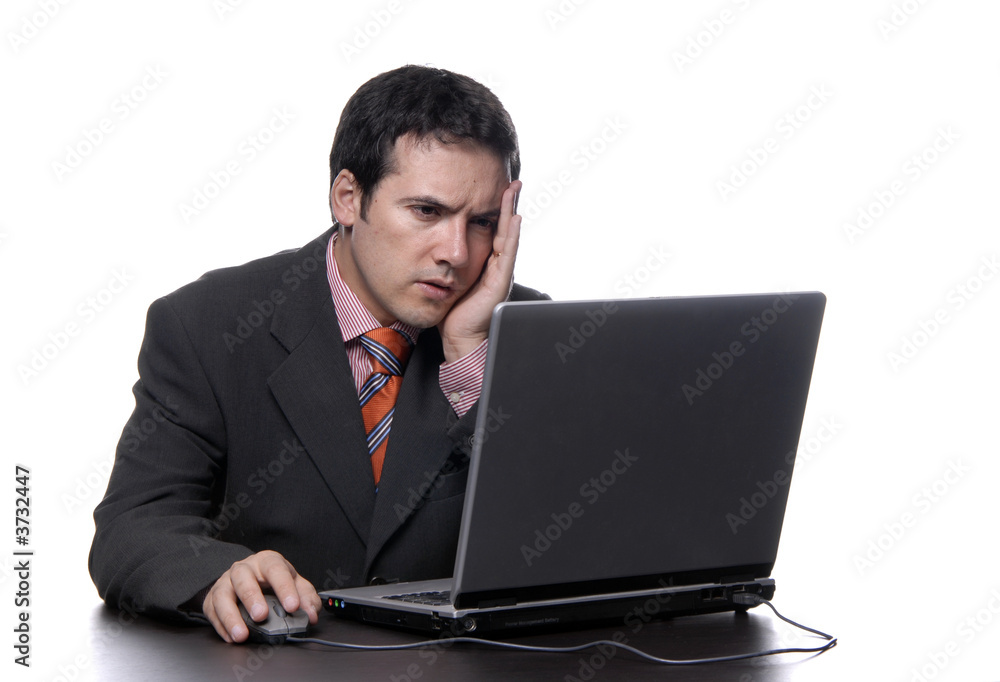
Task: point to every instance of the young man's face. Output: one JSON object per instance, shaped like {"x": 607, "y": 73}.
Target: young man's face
{"x": 429, "y": 229}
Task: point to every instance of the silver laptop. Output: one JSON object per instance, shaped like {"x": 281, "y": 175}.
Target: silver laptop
{"x": 640, "y": 469}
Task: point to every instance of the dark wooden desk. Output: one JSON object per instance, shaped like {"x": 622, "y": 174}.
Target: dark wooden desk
{"x": 127, "y": 648}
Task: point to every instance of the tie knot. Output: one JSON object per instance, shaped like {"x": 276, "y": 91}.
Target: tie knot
{"x": 389, "y": 350}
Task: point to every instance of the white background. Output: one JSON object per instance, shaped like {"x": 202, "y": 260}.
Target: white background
{"x": 670, "y": 101}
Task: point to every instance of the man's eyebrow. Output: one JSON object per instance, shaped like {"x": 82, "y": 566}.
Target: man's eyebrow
{"x": 492, "y": 214}
{"x": 425, "y": 200}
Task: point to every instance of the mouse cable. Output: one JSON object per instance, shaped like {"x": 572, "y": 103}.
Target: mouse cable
{"x": 741, "y": 598}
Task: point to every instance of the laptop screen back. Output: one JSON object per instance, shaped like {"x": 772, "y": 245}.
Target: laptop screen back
{"x": 648, "y": 437}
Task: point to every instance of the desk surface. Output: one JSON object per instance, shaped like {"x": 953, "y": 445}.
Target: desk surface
{"x": 123, "y": 648}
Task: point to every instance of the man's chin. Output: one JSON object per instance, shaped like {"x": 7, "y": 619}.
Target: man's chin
{"x": 424, "y": 317}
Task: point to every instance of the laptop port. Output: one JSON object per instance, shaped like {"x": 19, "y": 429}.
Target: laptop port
{"x": 713, "y": 594}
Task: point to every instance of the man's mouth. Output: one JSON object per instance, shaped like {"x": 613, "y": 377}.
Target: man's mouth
{"x": 437, "y": 289}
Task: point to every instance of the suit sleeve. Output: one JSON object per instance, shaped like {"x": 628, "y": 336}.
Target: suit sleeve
{"x": 155, "y": 547}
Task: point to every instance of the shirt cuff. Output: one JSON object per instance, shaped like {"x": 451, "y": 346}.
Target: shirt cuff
{"x": 462, "y": 380}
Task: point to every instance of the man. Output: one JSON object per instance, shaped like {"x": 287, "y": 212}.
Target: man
{"x": 249, "y": 463}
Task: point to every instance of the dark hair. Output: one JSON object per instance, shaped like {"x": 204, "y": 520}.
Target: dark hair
{"x": 423, "y": 101}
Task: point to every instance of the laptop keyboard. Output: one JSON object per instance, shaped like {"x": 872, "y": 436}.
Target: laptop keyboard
{"x": 441, "y": 598}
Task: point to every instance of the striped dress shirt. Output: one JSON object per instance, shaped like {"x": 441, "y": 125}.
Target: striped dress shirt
{"x": 461, "y": 381}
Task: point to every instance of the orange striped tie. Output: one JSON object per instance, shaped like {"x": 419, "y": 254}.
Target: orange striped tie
{"x": 388, "y": 351}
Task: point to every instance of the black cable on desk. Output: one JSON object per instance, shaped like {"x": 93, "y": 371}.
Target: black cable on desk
{"x": 741, "y": 598}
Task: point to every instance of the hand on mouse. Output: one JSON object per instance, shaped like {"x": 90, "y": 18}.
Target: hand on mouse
{"x": 244, "y": 581}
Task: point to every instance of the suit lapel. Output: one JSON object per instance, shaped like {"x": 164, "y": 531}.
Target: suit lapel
{"x": 315, "y": 390}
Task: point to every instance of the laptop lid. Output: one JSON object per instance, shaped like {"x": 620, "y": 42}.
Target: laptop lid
{"x": 627, "y": 444}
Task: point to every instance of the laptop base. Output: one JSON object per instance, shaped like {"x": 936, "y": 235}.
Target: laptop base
{"x": 628, "y": 609}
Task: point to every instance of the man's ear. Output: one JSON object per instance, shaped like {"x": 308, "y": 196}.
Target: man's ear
{"x": 345, "y": 198}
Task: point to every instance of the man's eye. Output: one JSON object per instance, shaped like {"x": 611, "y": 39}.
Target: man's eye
{"x": 485, "y": 223}
{"x": 425, "y": 210}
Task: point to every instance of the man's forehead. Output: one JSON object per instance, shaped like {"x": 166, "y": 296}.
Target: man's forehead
{"x": 414, "y": 147}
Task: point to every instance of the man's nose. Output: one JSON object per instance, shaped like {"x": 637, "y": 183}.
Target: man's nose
{"x": 452, "y": 242}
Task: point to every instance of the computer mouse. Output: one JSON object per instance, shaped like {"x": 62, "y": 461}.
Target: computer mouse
{"x": 278, "y": 625}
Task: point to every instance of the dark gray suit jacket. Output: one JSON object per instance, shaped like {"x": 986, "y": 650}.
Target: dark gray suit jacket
{"x": 247, "y": 435}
